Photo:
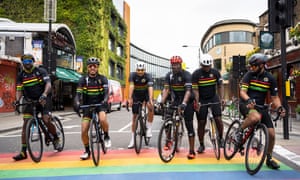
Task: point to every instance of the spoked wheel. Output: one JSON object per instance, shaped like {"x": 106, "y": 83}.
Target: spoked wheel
{"x": 60, "y": 132}
{"x": 138, "y": 135}
{"x": 230, "y": 145}
{"x": 147, "y": 139}
{"x": 180, "y": 132}
{"x": 214, "y": 138}
{"x": 104, "y": 148}
{"x": 34, "y": 140}
{"x": 167, "y": 141}
{"x": 256, "y": 150}
{"x": 94, "y": 142}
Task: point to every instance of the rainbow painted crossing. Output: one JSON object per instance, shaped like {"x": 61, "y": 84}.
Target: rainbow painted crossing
{"x": 126, "y": 164}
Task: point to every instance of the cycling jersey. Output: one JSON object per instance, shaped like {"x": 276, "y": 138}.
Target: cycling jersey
{"x": 33, "y": 83}
{"x": 178, "y": 84}
{"x": 257, "y": 86}
{"x": 93, "y": 89}
{"x": 206, "y": 82}
{"x": 141, "y": 84}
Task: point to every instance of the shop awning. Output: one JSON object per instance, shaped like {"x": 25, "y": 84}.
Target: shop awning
{"x": 67, "y": 75}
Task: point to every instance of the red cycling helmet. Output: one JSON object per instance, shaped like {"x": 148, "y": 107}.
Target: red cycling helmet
{"x": 176, "y": 60}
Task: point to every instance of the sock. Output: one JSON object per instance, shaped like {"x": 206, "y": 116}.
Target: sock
{"x": 149, "y": 124}
{"x": 24, "y": 148}
{"x": 87, "y": 148}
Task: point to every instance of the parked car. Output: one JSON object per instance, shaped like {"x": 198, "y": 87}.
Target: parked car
{"x": 115, "y": 97}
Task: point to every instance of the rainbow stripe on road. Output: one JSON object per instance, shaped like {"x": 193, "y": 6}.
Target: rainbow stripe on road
{"x": 126, "y": 164}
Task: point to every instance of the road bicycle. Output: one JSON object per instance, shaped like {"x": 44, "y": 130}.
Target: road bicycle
{"x": 96, "y": 133}
{"x": 140, "y": 127}
{"x": 256, "y": 139}
{"x": 232, "y": 109}
{"x": 171, "y": 133}
{"x": 36, "y": 129}
{"x": 213, "y": 132}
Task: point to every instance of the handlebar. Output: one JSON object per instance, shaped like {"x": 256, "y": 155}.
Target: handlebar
{"x": 90, "y": 106}
{"x": 28, "y": 102}
{"x": 208, "y": 104}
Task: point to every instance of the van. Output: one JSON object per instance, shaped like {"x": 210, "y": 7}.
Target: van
{"x": 114, "y": 95}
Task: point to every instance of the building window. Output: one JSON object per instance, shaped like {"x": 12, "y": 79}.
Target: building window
{"x": 120, "y": 72}
{"x": 217, "y": 64}
{"x": 111, "y": 69}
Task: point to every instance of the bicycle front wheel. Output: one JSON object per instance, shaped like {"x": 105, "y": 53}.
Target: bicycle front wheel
{"x": 230, "y": 148}
{"x": 104, "y": 148}
{"x": 95, "y": 141}
{"x": 138, "y": 134}
{"x": 256, "y": 150}
{"x": 34, "y": 140}
{"x": 180, "y": 133}
{"x": 214, "y": 138}
{"x": 59, "y": 131}
{"x": 167, "y": 141}
{"x": 147, "y": 139}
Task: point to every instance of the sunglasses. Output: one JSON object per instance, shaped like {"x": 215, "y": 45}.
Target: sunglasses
{"x": 27, "y": 61}
{"x": 140, "y": 70}
{"x": 92, "y": 65}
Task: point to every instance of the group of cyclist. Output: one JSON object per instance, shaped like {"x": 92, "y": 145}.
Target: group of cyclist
{"x": 188, "y": 91}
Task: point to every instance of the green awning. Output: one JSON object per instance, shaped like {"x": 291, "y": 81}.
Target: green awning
{"x": 67, "y": 75}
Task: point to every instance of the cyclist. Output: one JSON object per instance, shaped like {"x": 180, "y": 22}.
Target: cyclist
{"x": 255, "y": 85}
{"x": 208, "y": 88}
{"x": 178, "y": 83}
{"x": 140, "y": 90}
{"x": 33, "y": 83}
{"x": 92, "y": 89}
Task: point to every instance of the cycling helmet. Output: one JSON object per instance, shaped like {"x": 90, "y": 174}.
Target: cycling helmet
{"x": 27, "y": 56}
{"x": 140, "y": 66}
{"x": 257, "y": 59}
{"x": 206, "y": 60}
{"x": 176, "y": 60}
{"x": 92, "y": 60}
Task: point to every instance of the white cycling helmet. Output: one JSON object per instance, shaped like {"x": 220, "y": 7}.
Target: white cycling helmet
{"x": 140, "y": 66}
{"x": 206, "y": 60}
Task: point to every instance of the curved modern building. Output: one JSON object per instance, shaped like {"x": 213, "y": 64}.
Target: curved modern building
{"x": 226, "y": 39}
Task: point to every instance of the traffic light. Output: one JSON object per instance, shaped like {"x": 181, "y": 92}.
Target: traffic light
{"x": 280, "y": 14}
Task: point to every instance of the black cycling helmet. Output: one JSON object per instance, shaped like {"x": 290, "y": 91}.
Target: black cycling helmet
{"x": 92, "y": 60}
{"x": 27, "y": 56}
{"x": 258, "y": 59}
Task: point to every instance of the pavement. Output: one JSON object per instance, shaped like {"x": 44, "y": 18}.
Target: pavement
{"x": 286, "y": 150}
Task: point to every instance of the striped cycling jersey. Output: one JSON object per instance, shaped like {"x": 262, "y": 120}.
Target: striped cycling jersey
{"x": 92, "y": 88}
{"x": 257, "y": 86}
{"x": 140, "y": 84}
{"x": 206, "y": 82}
{"x": 32, "y": 83}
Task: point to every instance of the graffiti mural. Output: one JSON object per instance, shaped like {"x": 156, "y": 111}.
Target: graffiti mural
{"x": 7, "y": 88}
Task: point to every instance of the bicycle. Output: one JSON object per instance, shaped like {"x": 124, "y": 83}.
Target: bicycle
{"x": 34, "y": 128}
{"x": 213, "y": 132}
{"x": 171, "y": 133}
{"x": 96, "y": 133}
{"x": 257, "y": 139}
{"x": 140, "y": 127}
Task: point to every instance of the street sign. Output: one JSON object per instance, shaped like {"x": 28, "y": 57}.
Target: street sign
{"x": 50, "y": 10}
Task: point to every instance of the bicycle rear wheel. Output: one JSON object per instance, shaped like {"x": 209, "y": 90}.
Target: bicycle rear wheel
{"x": 230, "y": 145}
{"x": 167, "y": 140}
{"x": 34, "y": 140}
{"x": 214, "y": 138}
{"x": 94, "y": 141}
{"x": 138, "y": 134}
{"x": 59, "y": 131}
{"x": 256, "y": 150}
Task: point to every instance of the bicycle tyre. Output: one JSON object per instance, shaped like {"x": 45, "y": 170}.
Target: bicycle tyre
{"x": 59, "y": 131}
{"x": 256, "y": 149}
{"x": 229, "y": 145}
{"x": 180, "y": 133}
{"x": 104, "y": 148}
{"x": 214, "y": 138}
{"x": 146, "y": 139}
{"x": 138, "y": 134}
{"x": 94, "y": 141}
{"x": 34, "y": 134}
{"x": 167, "y": 140}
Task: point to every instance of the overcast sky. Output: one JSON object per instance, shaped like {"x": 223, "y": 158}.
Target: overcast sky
{"x": 161, "y": 27}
